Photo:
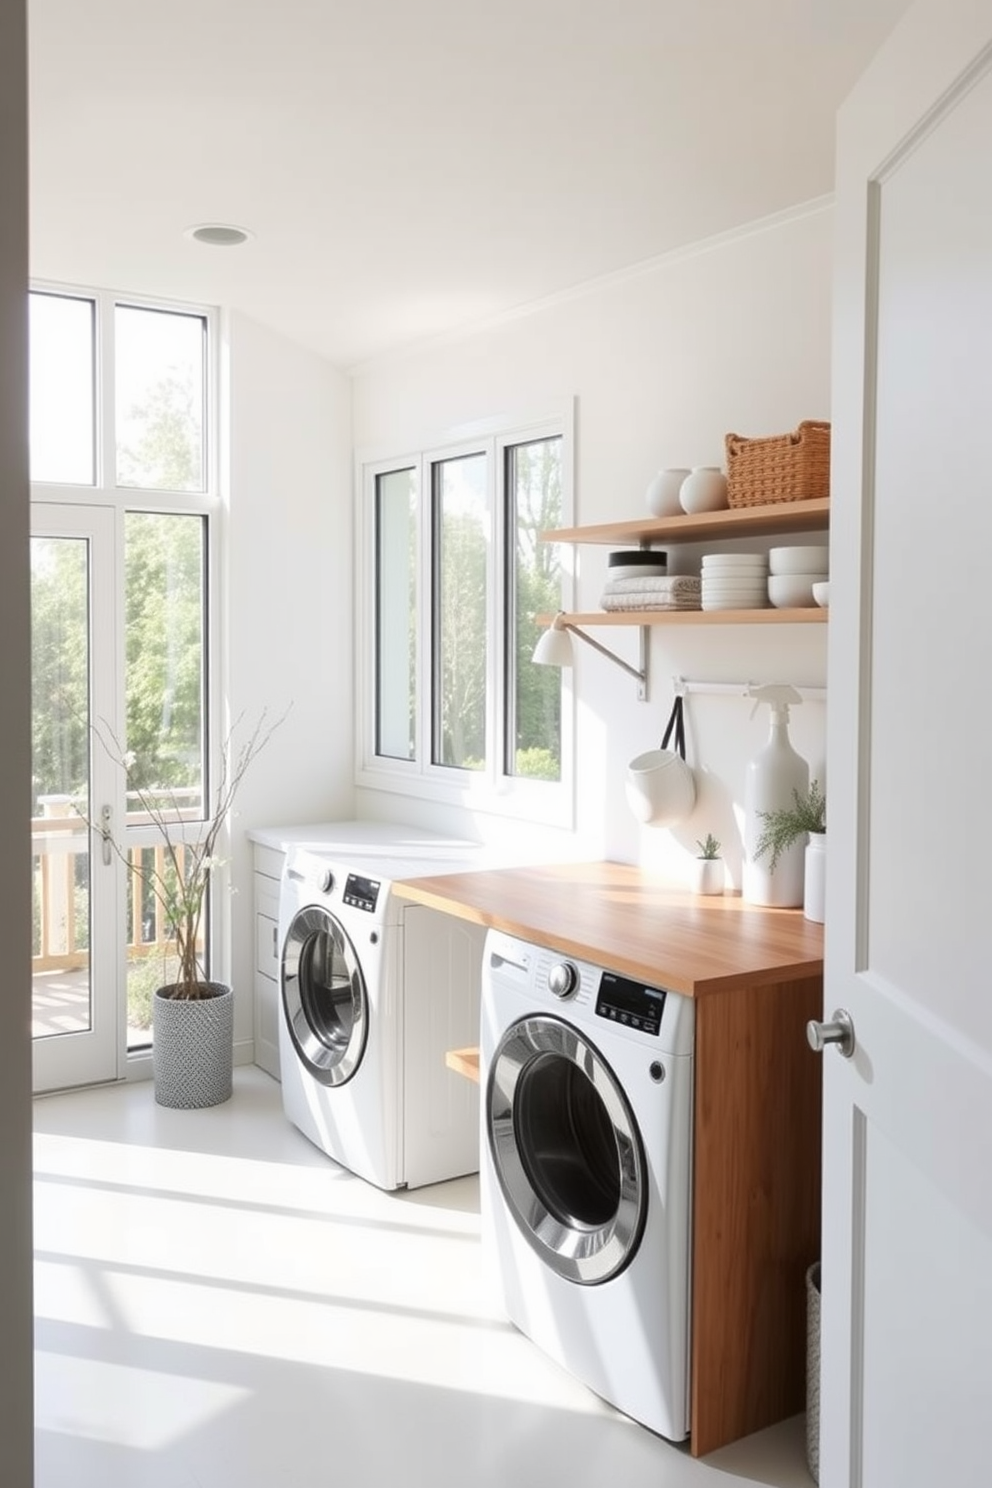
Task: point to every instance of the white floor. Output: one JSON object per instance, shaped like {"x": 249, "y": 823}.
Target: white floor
{"x": 220, "y": 1306}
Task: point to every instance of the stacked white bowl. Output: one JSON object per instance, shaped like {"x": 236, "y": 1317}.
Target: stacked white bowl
{"x": 792, "y": 573}
{"x": 734, "y": 581}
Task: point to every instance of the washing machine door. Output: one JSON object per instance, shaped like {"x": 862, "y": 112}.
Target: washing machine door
{"x": 566, "y": 1150}
{"x": 324, "y": 997}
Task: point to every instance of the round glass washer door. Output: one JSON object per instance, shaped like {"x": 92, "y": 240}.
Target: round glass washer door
{"x": 566, "y": 1150}
{"x": 324, "y": 999}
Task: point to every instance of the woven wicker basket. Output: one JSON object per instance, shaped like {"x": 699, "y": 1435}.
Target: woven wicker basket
{"x": 784, "y": 467}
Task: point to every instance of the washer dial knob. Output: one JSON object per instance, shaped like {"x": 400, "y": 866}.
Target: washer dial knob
{"x": 326, "y": 881}
{"x": 563, "y": 979}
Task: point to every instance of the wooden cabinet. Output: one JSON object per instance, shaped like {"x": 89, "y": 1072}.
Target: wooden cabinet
{"x": 786, "y": 519}
{"x": 265, "y": 888}
{"x": 756, "y": 978}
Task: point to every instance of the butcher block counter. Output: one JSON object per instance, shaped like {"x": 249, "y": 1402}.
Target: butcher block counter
{"x": 756, "y": 976}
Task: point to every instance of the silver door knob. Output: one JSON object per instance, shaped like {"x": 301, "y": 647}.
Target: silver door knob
{"x": 839, "y": 1031}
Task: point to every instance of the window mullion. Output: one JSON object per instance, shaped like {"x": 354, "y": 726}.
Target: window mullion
{"x": 425, "y": 610}
{"x": 500, "y": 608}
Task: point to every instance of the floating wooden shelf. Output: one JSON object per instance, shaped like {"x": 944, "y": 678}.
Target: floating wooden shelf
{"x": 740, "y": 521}
{"x": 807, "y": 616}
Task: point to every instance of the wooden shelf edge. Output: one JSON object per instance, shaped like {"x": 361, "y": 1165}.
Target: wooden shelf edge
{"x": 812, "y": 615}
{"x": 464, "y": 1062}
{"x": 739, "y": 521}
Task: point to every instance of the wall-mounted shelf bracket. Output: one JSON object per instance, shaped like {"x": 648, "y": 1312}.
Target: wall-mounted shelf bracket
{"x": 555, "y": 649}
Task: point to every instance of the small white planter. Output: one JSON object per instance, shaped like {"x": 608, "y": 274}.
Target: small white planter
{"x": 707, "y": 875}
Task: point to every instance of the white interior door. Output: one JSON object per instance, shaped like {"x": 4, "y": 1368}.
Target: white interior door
{"x": 76, "y": 1017}
{"x": 907, "y": 1236}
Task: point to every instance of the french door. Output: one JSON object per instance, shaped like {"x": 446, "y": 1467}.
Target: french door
{"x": 78, "y": 1024}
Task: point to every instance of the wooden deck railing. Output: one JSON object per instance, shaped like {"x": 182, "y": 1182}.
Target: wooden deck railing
{"x": 59, "y": 846}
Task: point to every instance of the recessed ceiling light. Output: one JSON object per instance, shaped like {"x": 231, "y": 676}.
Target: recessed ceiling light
{"x": 218, "y": 234}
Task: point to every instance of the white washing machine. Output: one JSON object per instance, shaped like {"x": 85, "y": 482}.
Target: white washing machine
{"x": 585, "y": 1171}
{"x": 374, "y": 991}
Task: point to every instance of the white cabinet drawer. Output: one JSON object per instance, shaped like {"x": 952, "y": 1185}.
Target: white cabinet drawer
{"x": 266, "y": 928}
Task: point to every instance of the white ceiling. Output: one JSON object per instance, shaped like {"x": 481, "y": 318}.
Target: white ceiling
{"x": 408, "y": 167}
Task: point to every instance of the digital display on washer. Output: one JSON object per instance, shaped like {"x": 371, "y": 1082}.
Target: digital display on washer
{"x": 625, "y": 1001}
{"x": 361, "y": 893}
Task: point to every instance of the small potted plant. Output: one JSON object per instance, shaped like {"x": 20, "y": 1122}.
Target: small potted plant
{"x": 707, "y": 868}
{"x": 807, "y": 817}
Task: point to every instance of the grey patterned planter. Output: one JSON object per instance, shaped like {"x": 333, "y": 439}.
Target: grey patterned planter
{"x": 193, "y": 1048}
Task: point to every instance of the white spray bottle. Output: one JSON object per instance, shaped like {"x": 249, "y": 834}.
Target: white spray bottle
{"x": 772, "y": 776}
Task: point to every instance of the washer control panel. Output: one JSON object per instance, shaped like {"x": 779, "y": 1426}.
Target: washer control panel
{"x": 361, "y": 893}
{"x": 630, "y": 1003}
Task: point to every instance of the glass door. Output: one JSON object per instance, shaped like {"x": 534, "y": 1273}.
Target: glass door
{"x": 76, "y": 1021}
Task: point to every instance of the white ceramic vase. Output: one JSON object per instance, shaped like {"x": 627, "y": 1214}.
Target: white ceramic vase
{"x": 704, "y": 489}
{"x": 815, "y": 880}
{"x": 663, "y": 492}
{"x": 707, "y": 876}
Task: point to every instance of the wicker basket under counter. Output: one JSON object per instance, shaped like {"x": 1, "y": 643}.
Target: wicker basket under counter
{"x": 782, "y": 467}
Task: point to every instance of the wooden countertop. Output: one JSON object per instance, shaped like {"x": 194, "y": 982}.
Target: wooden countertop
{"x": 620, "y": 917}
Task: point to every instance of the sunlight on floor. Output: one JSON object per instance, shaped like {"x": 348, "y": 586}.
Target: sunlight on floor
{"x": 260, "y": 1258}
{"x": 218, "y": 1305}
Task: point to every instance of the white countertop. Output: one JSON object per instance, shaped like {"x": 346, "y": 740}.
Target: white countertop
{"x": 350, "y": 835}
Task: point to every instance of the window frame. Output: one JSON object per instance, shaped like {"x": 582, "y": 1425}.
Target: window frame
{"x": 492, "y": 790}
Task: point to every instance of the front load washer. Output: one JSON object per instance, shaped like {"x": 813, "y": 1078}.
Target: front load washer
{"x": 374, "y": 991}
{"x": 585, "y": 1171}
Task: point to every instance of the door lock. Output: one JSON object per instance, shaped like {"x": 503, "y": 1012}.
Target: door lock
{"x": 106, "y": 836}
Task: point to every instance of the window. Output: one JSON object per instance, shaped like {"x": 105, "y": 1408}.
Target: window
{"x": 62, "y": 339}
{"x": 120, "y": 440}
{"x": 395, "y": 519}
{"x": 159, "y": 375}
{"x": 457, "y": 576}
{"x": 460, "y": 530}
{"x": 532, "y": 739}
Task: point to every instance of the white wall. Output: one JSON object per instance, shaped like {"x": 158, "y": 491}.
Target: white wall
{"x": 289, "y": 582}
{"x": 733, "y": 337}
{"x": 16, "y": 1397}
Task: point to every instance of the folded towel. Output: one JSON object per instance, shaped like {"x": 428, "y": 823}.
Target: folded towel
{"x": 639, "y": 600}
{"x": 655, "y": 584}
{"x": 671, "y": 592}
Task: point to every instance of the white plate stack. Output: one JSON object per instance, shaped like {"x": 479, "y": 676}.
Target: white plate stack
{"x": 792, "y": 572}
{"x": 735, "y": 581}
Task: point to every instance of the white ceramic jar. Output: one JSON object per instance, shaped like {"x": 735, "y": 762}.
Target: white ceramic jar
{"x": 704, "y": 489}
{"x": 663, "y": 492}
{"x": 815, "y": 879}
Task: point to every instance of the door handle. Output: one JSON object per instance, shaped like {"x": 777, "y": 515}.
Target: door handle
{"x": 839, "y": 1031}
{"x": 106, "y": 836}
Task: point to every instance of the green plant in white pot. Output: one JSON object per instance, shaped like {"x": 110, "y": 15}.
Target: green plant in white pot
{"x": 806, "y": 817}
{"x": 192, "y": 1015}
{"x": 707, "y": 869}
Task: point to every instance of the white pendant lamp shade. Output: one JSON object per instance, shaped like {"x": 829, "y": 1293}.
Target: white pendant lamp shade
{"x": 554, "y": 647}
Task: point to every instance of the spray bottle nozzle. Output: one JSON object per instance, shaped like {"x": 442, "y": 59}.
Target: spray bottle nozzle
{"x": 778, "y": 696}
